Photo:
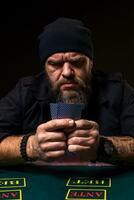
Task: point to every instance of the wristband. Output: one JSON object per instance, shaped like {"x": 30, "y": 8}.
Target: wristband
{"x": 106, "y": 149}
{"x": 23, "y": 145}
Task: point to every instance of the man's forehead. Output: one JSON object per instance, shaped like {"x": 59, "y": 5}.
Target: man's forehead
{"x": 66, "y": 55}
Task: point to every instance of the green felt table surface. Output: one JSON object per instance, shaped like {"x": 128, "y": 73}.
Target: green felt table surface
{"x": 67, "y": 182}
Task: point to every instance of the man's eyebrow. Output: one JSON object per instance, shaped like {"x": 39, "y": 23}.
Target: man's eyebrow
{"x": 70, "y": 59}
{"x": 54, "y": 61}
{"x": 77, "y": 58}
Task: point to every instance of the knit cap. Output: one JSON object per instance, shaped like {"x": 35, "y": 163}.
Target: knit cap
{"x": 65, "y": 35}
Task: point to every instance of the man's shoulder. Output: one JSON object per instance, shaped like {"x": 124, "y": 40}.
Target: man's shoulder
{"x": 109, "y": 87}
{"x": 35, "y": 86}
{"x": 27, "y": 81}
{"x": 108, "y": 77}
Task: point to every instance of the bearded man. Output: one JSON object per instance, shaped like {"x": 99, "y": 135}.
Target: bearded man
{"x": 106, "y": 128}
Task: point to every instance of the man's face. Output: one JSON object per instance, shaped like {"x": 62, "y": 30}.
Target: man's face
{"x": 69, "y": 74}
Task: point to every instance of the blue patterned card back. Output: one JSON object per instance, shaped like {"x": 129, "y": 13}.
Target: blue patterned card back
{"x": 62, "y": 110}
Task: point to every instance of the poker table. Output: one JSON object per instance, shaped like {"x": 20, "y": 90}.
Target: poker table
{"x": 66, "y": 183}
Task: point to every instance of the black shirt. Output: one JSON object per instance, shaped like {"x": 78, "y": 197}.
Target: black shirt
{"x": 27, "y": 105}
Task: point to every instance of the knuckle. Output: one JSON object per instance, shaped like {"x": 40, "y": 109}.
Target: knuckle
{"x": 48, "y": 155}
{"x": 42, "y": 138}
{"x": 41, "y": 127}
{"x": 79, "y": 140}
{"x": 94, "y": 125}
{"x": 50, "y": 124}
{"x": 82, "y": 122}
{"x": 43, "y": 147}
{"x": 94, "y": 132}
{"x": 63, "y": 145}
{"x": 71, "y": 141}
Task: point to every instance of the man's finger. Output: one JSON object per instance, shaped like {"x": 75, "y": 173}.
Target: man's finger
{"x": 52, "y": 155}
{"x": 78, "y": 148}
{"x": 51, "y": 137}
{"x": 53, "y": 146}
{"x": 83, "y": 133}
{"x": 57, "y": 124}
{"x": 86, "y": 124}
{"x": 81, "y": 141}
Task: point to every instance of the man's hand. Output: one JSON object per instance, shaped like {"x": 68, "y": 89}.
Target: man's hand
{"x": 84, "y": 140}
{"x": 49, "y": 142}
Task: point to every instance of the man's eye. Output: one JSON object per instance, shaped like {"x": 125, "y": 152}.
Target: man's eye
{"x": 55, "y": 64}
{"x": 51, "y": 62}
{"x": 78, "y": 63}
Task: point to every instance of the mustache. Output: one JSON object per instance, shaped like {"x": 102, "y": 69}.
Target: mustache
{"x": 71, "y": 80}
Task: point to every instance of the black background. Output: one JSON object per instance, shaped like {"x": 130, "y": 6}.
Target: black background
{"x": 112, "y": 26}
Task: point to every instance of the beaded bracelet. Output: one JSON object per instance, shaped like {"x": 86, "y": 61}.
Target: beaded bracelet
{"x": 23, "y": 145}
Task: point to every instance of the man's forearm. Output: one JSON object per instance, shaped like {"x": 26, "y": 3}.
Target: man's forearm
{"x": 10, "y": 151}
{"x": 123, "y": 150}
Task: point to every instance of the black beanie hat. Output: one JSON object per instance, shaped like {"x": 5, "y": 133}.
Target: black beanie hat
{"x": 65, "y": 35}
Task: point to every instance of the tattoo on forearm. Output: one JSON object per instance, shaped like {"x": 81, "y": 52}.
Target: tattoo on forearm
{"x": 124, "y": 147}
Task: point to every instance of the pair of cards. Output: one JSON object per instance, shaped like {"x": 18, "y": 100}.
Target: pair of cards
{"x": 63, "y": 110}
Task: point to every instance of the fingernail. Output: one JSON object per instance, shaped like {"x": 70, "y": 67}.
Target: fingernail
{"x": 71, "y": 122}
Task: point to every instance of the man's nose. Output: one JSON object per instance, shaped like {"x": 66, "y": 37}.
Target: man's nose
{"x": 67, "y": 70}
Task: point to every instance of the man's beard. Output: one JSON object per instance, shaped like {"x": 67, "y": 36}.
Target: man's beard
{"x": 80, "y": 95}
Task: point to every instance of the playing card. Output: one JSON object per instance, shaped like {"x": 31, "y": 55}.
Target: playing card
{"x": 62, "y": 110}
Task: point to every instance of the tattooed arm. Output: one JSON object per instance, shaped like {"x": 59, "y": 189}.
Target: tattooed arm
{"x": 117, "y": 150}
